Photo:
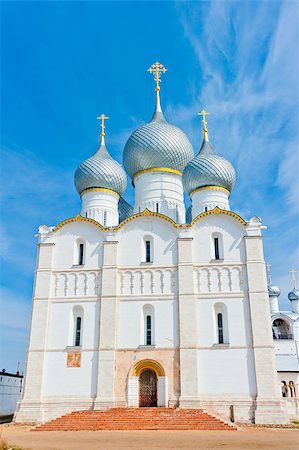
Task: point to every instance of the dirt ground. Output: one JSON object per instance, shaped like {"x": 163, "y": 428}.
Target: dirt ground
{"x": 245, "y": 439}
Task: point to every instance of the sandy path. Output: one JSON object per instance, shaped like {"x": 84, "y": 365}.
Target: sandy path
{"x": 246, "y": 439}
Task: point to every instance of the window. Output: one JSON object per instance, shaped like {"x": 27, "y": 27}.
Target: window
{"x": 81, "y": 254}
{"x": 78, "y": 332}
{"x": 157, "y": 207}
{"x": 220, "y": 328}
{"x": 176, "y": 214}
{"x": 216, "y": 247}
{"x": 206, "y": 208}
{"x": 148, "y": 325}
{"x": 147, "y": 251}
{"x": 221, "y": 323}
{"x": 148, "y": 330}
{"x": 105, "y": 218}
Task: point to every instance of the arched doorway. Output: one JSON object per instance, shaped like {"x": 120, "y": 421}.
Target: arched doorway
{"x": 148, "y": 388}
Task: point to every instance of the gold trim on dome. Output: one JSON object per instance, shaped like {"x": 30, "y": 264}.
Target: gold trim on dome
{"x": 210, "y": 188}
{"x": 158, "y": 169}
{"x": 148, "y": 364}
{"x": 148, "y": 213}
{"x": 111, "y": 191}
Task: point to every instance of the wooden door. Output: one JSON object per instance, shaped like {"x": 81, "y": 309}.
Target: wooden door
{"x": 148, "y": 388}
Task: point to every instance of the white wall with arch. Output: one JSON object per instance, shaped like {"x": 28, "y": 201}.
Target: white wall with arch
{"x": 131, "y": 239}
{"x": 68, "y": 238}
{"x": 131, "y": 323}
{"x": 231, "y": 232}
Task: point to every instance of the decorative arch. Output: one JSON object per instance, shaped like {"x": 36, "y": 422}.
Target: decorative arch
{"x": 147, "y": 364}
{"x": 146, "y": 212}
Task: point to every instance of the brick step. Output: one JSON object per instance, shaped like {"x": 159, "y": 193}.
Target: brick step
{"x": 136, "y": 419}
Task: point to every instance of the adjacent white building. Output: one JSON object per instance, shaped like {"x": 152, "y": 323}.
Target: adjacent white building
{"x": 137, "y": 306}
{"x": 10, "y": 392}
{"x": 285, "y": 331}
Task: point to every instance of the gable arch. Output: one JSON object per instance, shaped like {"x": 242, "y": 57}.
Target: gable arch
{"x": 147, "y": 364}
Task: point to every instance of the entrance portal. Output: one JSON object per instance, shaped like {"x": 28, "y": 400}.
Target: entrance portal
{"x": 148, "y": 388}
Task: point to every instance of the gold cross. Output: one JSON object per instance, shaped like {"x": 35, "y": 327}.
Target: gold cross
{"x": 293, "y": 271}
{"x": 269, "y": 272}
{"x": 157, "y": 69}
{"x": 204, "y": 113}
{"x": 103, "y": 118}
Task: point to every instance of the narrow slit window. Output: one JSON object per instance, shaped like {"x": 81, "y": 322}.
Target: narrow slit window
{"x": 220, "y": 328}
{"x": 147, "y": 251}
{"x": 157, "y": 207}
{"x": 81, "y": 254}
{"x": 78, "y": 332}
{"x": 148, "y": 330}
{"x": 105, "y": 218}
{"x": 176, "y": 213}
{"x": 206, "y": 208}
{"x": 216, "y": 247}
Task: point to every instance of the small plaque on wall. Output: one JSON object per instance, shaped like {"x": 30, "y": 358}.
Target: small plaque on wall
{"x": 73, "y": 359}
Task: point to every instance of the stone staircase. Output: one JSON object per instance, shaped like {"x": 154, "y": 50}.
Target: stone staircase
{"x": 136, "y": 419}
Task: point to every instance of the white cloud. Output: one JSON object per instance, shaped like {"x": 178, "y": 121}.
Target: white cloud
{"x": 248, "y": 58}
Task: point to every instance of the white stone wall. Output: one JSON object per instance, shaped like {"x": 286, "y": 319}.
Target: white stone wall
{"x": 184, "y": 285}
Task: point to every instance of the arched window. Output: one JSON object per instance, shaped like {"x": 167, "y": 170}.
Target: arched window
{"x": 292, "y": 389}
{"x": 78, "y": 332}
{"x": 148, "y": 249}
{"x": 284, "y": 389}
{"x": 148, "y": 325}
{"x": 148, "y": 330}
{"x": 281, "y": 329}
{"x": 77, "y": 326}
{"x": 221, "y": 323}
{"x": 79, "y": 253}
{"x": 217, "y": 244}
{"x": 220, "y": 328}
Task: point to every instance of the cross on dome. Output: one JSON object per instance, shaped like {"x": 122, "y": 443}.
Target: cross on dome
{"x": 269, "y": 272}
{"x": 293, "y": 271}
{"x": 204, "y": 113}
{"x": 102, "y": 117}
{"x": 157, "y": 69}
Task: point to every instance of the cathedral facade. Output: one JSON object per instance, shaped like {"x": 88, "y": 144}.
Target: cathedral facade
{"x": 151, "y": 305}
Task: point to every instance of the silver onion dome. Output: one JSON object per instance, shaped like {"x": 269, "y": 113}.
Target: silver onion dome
{"x": 100, "y": 171}
{"x": 294, "y": 294}
{"x": 125, "y": 210}
{"x": 273, "y": 290}
{"x": 208, "y": 169}
{"x": 157, "y": 144}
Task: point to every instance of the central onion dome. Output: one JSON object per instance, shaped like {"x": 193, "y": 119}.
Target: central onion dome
{"x": 101, "y": 171}
{"x": 208, "y": 168}
{"x": 157, "y": 144}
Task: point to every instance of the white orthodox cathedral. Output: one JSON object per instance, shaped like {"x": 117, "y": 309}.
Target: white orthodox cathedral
{"x": 153, "y": 305}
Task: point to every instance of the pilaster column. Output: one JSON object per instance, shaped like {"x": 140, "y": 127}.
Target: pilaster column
{"x": 187, "y": 325}
{"x": 108, "y": 327}
{"x": 268, "y": 401}
{"x": 29, "y": 408}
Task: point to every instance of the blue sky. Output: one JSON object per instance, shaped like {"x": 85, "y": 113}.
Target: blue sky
{"x": 64, "y": 63}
